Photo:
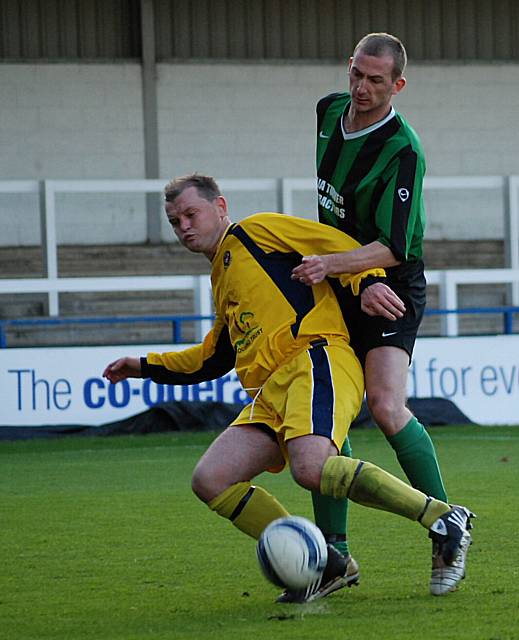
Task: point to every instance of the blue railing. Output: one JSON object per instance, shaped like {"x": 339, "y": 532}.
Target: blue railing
{"x": 178, "y": 321}
{"x": 506, "y": 312}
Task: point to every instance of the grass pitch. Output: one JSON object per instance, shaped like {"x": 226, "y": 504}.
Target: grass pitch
{"x": 101, "y": 538}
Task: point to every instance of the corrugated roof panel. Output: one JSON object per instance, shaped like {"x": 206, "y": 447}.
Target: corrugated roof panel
{"x": 257, "y": 29}
{"x": 69, "y": 29}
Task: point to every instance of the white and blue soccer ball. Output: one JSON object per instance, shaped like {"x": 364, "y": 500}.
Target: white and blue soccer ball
{"x": 292, "y": 552}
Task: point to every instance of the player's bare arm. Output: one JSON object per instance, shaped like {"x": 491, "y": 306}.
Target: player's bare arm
{"x": 380, "y": 300}
{"x": 314, "y": 269}
{"x": 122, "y": 368}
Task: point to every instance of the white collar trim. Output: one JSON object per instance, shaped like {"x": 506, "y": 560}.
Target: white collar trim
{"x": 363, "y": 132}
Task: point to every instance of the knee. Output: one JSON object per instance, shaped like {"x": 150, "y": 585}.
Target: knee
{"x": 209, "y": 480}
{"x": 306, "y": 475}
{"x": 388, "y": 412}
{"x": 202, "y": 484}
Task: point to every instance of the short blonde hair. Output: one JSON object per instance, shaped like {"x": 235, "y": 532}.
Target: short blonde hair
{"x": 205, "y": 185}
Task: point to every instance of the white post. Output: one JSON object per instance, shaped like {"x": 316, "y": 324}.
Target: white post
{"x": 48, "y": 240}
{"x": 512, "y": 228}
{"x": 448, "y": 300}
{"x": 287, "y": 203}
{"x": 289, "y": 185}
{"x": 203, "y": 302}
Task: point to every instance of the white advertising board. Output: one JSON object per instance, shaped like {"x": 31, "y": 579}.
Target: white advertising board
{"x": 479, "y": 374}
{"x": 56, "y": 386}
{"x": 65, "y": 386}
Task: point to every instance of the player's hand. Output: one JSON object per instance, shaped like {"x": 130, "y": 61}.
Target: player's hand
{"x": 123, "y": 368}
{"x": 380, "y": 300}
{"x": 312, "y": 270}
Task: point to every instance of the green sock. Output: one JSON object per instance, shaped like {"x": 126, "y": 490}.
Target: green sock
{"x": 331, "y": 514}
{"x": 417, "y": 457}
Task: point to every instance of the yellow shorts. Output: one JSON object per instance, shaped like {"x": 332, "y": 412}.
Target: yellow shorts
{"x": 317, "y": 392}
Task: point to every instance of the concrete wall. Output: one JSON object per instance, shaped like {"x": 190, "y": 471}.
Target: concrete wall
{"x": 235, "y": 121}
{"x": 71, "y": 121}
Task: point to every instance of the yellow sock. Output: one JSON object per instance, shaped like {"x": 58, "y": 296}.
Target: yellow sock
{"x": 248, "y": 507}
{"x": 371, "y": 486}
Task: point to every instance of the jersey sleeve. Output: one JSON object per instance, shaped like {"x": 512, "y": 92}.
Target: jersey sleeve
{"x": 213, "y": 358}
{"x": 360, "y": 281}
{"x": 400, "y": 210}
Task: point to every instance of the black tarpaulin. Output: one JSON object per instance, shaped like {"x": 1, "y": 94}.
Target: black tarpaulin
{"x": 214, "y": 416}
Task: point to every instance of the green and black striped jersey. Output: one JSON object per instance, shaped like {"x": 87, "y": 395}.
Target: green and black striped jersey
{"x": 370, "y": 181}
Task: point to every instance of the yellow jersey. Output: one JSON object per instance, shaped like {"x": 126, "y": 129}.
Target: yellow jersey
{"x": 263, "y": 317}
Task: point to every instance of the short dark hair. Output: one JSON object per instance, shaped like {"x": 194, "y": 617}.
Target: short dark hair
{"x": 205, "y": 185}
{"x": 381, "y": 44}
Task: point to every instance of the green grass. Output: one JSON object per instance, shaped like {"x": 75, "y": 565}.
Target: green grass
{"x": 101, "y": 538}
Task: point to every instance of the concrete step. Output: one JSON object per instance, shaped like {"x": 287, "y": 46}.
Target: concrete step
{"x": 464, "y": 254}
{"x": 105, "y": 260}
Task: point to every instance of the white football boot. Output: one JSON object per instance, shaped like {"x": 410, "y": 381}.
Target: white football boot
{"x": 451, "y": 542}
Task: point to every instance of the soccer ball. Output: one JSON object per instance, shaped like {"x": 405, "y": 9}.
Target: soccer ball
{"x": 292, "y": 552}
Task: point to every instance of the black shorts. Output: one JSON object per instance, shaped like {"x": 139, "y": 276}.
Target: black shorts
{"x": 369, "y": 332}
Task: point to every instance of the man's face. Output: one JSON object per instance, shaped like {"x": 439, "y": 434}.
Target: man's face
{"x": 371, "y": 84}
{"x": 197, "y": 223}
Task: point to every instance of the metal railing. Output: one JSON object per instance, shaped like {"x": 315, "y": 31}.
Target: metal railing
{"x": 203, "y": 322}
{"x": 52, "y": 284}
{"x": 176, "y": 322}
{"x": 448, "y": 281}
{"x": 200, "y": 286}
